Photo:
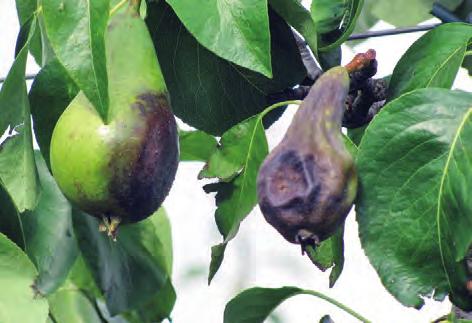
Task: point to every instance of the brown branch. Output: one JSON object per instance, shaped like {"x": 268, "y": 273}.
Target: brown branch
{"x": 312, "y": 68}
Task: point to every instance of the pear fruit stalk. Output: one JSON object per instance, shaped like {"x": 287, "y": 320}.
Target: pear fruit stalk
{"x": 307, "y": 184}
{"x": 122, "y": 168}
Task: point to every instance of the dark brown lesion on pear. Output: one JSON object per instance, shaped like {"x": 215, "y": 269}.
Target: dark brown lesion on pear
{"x": 298, "y": 196}
{"x": 289, "y": 192}
{"x": 141, "y": 185}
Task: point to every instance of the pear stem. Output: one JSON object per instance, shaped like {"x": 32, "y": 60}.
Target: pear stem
{"x": 134, "y": 6}
{"x": 117, "y": 7}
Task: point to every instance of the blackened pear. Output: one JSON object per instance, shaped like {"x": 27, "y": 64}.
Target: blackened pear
{"x": 307, "y": 184}
{"x": 120, "y": 169}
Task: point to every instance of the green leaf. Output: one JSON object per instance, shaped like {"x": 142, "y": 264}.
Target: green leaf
{"x": 335, "y": 20}
{"x": 128, "y": 317}
{"x": 355, "y": 135}
{"x": 51, "y": 92}
{"x": 17, "y": 167}
{"x": 26, "y": 9}
{"x": 237, "y": 198}
{"x": 322, "y": 255}
{"x": 350, "y": 145}
{"x": 414, "y": 209}
{"x": 163, "y": 232}
{"x": 70, "y": 305}
{"x": 330, "y": 254}
{"x": 432, "y": 61}
{"x": 241, "y": 152}
{"x": 396, "y": 14}
{"x": 10, "y": 225}
{"x": 75, "y": 29}
{"x": 237, "y": 31}
{"x": 18, "y": 301}
{"x": 330, "y": 58}
{"x": 337, "y": 247}
{"x": 217, "y": 257}
{"x": 47, "y": 52}
{"x": 160, "y": 306}
{"x": 328, "y": 14}
{"x": 162, "y": 302}
{"x": 80, "y": 276}
{"x": 231, "y": 155}
{"x": 299, "y": 18}
{"x": 255, "y": 304}
{"x": 366, "y": 18}
{"x": 208, "y": 92}
{"x": 50, "y": 239}
{"x": 407, "y": 13}
{"x": 45, "y": 233}
{"x": 196, "y": 145}
{"x": 24, "y": 34}
{"x": 130, "y": 271}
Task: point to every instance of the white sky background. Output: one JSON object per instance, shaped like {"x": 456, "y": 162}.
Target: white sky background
{"x": 259, "y": 256}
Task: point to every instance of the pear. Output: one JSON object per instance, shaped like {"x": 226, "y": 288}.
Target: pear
{"x": 122, "y": 168}
{"x": 307, "y": 184}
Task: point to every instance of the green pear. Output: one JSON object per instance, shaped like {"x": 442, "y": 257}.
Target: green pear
{"x": 122, "y": 168}
{"x": 307, "y": 184}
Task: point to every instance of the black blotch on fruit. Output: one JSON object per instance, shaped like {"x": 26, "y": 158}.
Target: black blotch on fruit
{"x": 142, "y": 185}
{"x": 290, "y": 192}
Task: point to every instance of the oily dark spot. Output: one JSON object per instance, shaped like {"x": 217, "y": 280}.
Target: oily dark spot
{"x": 141, "y": 109}
{"x": 335, "y": 201}
{"x": 289, "y": 191}
{"x": 142, "y": 184}
{"x": 286, "y": 178}
{"x": 304, "y": 206}
{"x": 290, "y": 182}
{"x": 287, "y": 222}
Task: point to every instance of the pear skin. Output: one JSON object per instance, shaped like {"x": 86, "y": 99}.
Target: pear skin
{"x": 307, "y": 184}
{"x": 121, "y": 168}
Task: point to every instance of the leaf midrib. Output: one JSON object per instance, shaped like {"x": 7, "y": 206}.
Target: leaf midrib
{"x": 441, "y": 189}
{"x": 443, "y": 64}
{"x": 252, "y": 49}
{"x": 244, "y": 172}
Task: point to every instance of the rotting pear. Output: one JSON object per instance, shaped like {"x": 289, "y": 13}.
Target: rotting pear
{"x": 122, "y": 168}
{"x": 307, "y": 184}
